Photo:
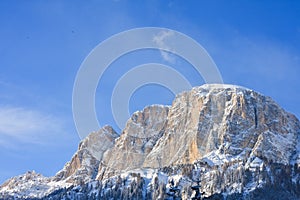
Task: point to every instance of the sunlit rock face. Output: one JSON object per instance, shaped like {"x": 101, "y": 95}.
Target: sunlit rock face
{"x": 84, "y": 163}
{"x": 228, "y": 119}
{"x": 239, "y": 143}
{"x": 223, "y": 119}
{"x": 137, "y": 140}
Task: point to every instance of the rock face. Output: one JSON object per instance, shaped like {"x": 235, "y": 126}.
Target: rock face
{"x": 239, "y": 142}
{"x": 228, "y": 119}
{"x": 212, "y": 119}
{"x": 141, "y": 133}
{"x": 84, "y": 164}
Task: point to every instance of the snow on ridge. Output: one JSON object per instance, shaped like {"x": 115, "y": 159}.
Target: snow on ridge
{"x": 222, "y": 86}
{"x": 245, "y": 122}
{"x": 151, "y": 106}
{"x": 31, "y": 185}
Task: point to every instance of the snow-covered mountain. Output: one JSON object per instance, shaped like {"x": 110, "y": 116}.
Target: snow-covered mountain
{"x": 221, "y": 141}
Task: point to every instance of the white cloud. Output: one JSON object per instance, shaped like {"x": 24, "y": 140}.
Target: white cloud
{"x": 160, "y": 40}
{"x": 21, "y": 125}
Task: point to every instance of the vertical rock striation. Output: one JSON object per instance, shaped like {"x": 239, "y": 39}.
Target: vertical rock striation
{"x": 83, "y": 166}
{"x": 239, "y": 142}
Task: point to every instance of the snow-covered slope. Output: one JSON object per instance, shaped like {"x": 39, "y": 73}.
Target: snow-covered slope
{"x": 30, "y": 185}
{"x": 237, "y": 141}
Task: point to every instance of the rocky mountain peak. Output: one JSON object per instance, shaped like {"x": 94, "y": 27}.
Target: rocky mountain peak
{"x": 139, "y": 136}
{"x": 229, "y": 119}
{"x": 208, "y": 122}
{"x": 148, "y": 122}
{"x": 234, "y": 139}
{"x": 84, "y": 164}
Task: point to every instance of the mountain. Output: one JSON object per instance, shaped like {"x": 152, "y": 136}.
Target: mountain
{"x": 215, "y": 141}
{"x": 83, "y": 166}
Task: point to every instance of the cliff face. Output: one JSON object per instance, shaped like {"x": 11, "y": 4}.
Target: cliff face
{"x": 141, "y": 133}
{"x": 227, "y": 119}
{"x": 84, "y": 164}
{"x": 235, "y": 140}
{"x": 207, "y": 121}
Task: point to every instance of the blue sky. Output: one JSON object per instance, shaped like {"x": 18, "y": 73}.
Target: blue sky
{"x": 43, "y": 43}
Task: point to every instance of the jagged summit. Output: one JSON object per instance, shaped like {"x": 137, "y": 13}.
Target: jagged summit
{"x": 83, "y": 165}
{"x": 236, "y": 138}
{"x": 220, "y": 87}
{"x": 223, "y": 86}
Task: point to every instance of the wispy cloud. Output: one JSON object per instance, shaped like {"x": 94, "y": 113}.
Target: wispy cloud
{"x": 160, "y": 40}
{"x": 21, "y": 125}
